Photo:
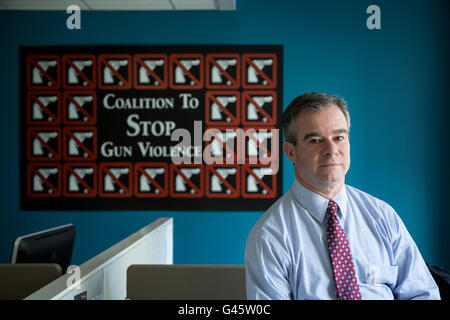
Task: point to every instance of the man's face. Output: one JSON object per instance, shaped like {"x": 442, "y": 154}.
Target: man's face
{"x": 322, "y": 154}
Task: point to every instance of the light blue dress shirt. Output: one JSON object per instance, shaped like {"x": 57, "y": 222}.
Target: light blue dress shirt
{"x": 286, "y": 254}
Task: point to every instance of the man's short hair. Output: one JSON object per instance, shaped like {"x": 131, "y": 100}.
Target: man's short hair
{"x": 313, "y": 102}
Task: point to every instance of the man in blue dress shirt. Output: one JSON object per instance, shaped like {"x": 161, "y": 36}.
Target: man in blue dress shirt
{"x": 287, "y": 255}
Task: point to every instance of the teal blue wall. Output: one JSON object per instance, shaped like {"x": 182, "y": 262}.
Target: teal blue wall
{"x": 395, "y": 81}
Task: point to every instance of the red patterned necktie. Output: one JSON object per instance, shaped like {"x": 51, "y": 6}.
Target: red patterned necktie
{"x": 341, "y": 259}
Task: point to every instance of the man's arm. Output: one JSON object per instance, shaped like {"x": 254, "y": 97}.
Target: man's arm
{"x": 414, "y": 281}
{"x": 266, "y": 267}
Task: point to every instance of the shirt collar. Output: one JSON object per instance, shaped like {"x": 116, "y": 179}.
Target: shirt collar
{"x": 317, "y": 204}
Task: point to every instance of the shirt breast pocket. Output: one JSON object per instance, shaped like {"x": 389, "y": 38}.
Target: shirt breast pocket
{"x": 377, "y": 276}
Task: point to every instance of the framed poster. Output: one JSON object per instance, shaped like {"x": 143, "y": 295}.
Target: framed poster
{"x": 150, "y": 127}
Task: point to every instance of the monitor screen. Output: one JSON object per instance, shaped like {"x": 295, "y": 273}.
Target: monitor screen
{"x": 49, "y": 246}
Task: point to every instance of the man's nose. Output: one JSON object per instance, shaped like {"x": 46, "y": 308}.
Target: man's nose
{"x": 330, "y": 148}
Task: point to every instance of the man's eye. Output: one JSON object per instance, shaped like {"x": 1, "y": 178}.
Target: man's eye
{"x": 340, "y": 138}
{"x": 314, "y": 141}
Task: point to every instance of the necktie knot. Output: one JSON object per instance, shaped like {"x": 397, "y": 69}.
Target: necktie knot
{"x": 332, "y": 208}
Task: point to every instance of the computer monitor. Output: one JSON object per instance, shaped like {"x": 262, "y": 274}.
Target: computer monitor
{"x": 49, "y": 246}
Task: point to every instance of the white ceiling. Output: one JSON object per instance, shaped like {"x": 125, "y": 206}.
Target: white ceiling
{"x": 119, "y": 4}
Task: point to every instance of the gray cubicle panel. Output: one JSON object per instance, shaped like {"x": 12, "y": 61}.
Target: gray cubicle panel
{"x": 104, "y": 276}
{"x": 18, "y": 281}
{"x": 186, "y": 282}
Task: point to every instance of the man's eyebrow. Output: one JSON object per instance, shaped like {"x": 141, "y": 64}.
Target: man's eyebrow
{"x": 316, "y": 134}
{"x": 340, "y": 131}
{"x": 310, "y": 135}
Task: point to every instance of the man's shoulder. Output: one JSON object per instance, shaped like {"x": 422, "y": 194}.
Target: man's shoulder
{"x": 362, "y": 196}
{"x": 274, "y": 217}
{"x": 378, "y": 209}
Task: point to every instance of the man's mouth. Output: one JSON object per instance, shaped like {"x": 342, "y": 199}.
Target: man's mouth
{"x": 330, "y": 165}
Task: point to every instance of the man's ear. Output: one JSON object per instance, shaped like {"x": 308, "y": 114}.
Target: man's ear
{"x": 289, "y": 150}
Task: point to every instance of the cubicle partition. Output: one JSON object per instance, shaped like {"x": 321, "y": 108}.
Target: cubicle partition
{"x": 104, "y": 276}
{"x": 186, "y": 282}
{"x": 19, "y": 280}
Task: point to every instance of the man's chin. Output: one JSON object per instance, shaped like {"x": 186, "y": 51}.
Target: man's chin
{"x": 331, "y": 179}
{"x": 330, "y": 173}
{"x": 322, "y": 181}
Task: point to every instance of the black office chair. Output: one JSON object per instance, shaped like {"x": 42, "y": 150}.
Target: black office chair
{"x": 442, "y": 278}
